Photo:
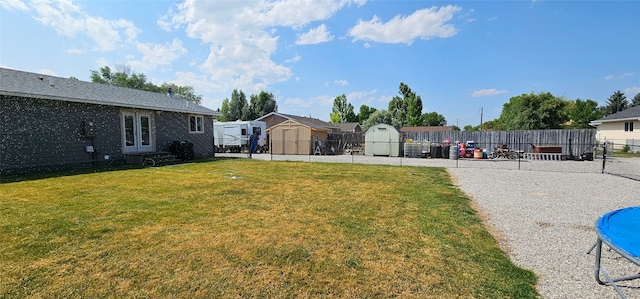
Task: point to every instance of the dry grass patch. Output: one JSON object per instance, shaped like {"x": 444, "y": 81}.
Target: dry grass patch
{"x": 244, "y": 228}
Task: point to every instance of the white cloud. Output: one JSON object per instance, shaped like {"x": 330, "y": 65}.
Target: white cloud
{"x": 323, "y": 100}
{"x": 631, "y": 91}
{"x": 13, "y": 5}
{"x": 295, "y": 58}
{"x": 367, "y": 45}
{"x": 242, "y": 36}
{"x": 341, "y": 82}
{"x": 314, "y": 36}
{"x": 154, "y": 55}
{"x": 615, "y": 77}
{"x": 47, "y": 72}
{"x": 492, "y": 19}
{"x": 74, "y": 51}
{"x": 359, "y": 95}
{"x": 296, "y": 102}
{"x": 69, "y": 20}
{"x": 487, "y": 92}
{"x": 425, "y": 24}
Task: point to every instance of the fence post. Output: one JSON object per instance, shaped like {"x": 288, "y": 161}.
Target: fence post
{"x": 604, "y": 156}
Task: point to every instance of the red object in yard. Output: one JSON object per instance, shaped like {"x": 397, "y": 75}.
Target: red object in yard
{"x": 477, "y": 154}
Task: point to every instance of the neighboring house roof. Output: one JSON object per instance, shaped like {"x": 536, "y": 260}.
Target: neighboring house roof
{"x": 32, "y": 85}
{"x": 632, "y": 113}
{"x": 348, "y": 127}
{"x": 425, "y": 129}
{"x": 307, "y": 121}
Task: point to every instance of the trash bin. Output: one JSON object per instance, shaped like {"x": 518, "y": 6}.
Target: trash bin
{"x": 453, "y": 152}
{"x": 436, "y": 151}
{"x": 183, "y": 150}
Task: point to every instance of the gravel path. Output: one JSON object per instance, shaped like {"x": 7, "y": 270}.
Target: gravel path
{"x": 545, "y": 221}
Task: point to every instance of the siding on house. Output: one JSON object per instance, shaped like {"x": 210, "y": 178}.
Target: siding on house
{"x": 40, "y": 135}
{"x": 614, "y": 132}
{"x": 174, "y": 126}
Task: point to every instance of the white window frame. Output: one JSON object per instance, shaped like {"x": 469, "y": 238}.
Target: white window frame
{"x": 628, "y": 126}
{"x": 199, "y": 129}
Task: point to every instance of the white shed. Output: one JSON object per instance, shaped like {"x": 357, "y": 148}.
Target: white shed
{"x": 382, "y": 140}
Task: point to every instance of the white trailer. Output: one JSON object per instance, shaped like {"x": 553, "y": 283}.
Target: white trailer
{"x": 236, "y": 136}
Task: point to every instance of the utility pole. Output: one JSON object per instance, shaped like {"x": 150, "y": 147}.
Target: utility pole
{"x": 481, "y": 117}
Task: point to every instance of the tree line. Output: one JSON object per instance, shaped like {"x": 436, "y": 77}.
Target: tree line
{"x": 533, "y": 111}
{"x": 524, "y": 112}
{"x": 545, "y": 111}
{"x": 404, "y": 109}
{"x": 124, "y": 77}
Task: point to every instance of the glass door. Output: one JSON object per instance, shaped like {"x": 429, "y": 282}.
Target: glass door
{"x": 137, "y": 132}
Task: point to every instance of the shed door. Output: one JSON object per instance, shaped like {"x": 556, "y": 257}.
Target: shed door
{"x": 290, "y": 141}
{"x": 137, "y": 132}
{"x": 381, "y": 142}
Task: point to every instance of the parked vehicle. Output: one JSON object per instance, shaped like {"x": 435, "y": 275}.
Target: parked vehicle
{"x": 240, "y": 136}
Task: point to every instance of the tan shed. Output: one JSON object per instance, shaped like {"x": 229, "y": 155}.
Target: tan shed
{"x": 294, "y": 138}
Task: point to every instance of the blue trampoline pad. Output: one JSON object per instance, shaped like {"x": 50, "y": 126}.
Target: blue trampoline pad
{"x": 621, "y": 229}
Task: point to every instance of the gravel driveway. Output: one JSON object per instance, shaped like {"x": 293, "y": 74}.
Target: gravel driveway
{"x": 545, "y": 220}
{"x": 542, "y": 215}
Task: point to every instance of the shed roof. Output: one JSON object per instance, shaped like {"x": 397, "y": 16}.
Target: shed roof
{"x": 348, "y": 127}
{"x": 314, "y": 123}
{"x": 632, "y": 113}
{"x": 33, "y": 85}
{"x": 425, "y": 129}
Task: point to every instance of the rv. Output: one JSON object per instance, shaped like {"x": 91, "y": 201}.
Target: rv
{"x": 238, "y": 136}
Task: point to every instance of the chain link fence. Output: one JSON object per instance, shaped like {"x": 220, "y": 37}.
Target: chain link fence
{"x": 550, "y": 157}
{"x": 620, "y": 166}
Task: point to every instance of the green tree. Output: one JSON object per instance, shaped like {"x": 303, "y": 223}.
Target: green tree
{"x": 344, "y": 109}
{"x": 334, "y": 118}
{"x": 365, "y": 112}
{"x": 433, "y": 119}
{"x": 238, "y": 106}
{"x": 584, "y": 112}
{"x": 377, "y": 117}
{"x": 635, "y": 101}
{"x": 406, "y": 110}
{"x": 489, "y": 125}
{"x": 470, "y": 128}
{"x": 124, "y": 77}
{"x": 534, "y": 112}
{"x": 224, "y": 111}
{"x": 261, "y": 104}
{"x": 454, "y": 128}
{"x": 615, "y": 103}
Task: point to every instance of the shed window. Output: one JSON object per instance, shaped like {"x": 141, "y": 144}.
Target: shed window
{"x": 628, "y": 126}
{"x": 195, "y": 124}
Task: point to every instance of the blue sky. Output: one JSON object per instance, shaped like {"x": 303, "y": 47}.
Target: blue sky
{"x": 459, "y": 56}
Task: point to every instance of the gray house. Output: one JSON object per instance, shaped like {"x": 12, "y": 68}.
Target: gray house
{"x": 49, "y": 123}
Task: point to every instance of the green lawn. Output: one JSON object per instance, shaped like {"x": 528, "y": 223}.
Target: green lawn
{"x": 247, "y": 228}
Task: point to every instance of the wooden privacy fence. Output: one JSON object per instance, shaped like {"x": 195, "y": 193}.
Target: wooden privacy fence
{"x": 573, "y": 142}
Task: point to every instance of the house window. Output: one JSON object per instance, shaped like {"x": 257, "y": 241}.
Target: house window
{"x": 628, "y": 126}
{"x": 195, "y": 124}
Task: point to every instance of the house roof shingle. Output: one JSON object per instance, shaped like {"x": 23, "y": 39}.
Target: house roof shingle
{"x": 347, "y": 127}
{"x": 632, "y": 113}
{"x": 33, "y": 85}
{"x": 307, "y": 121}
